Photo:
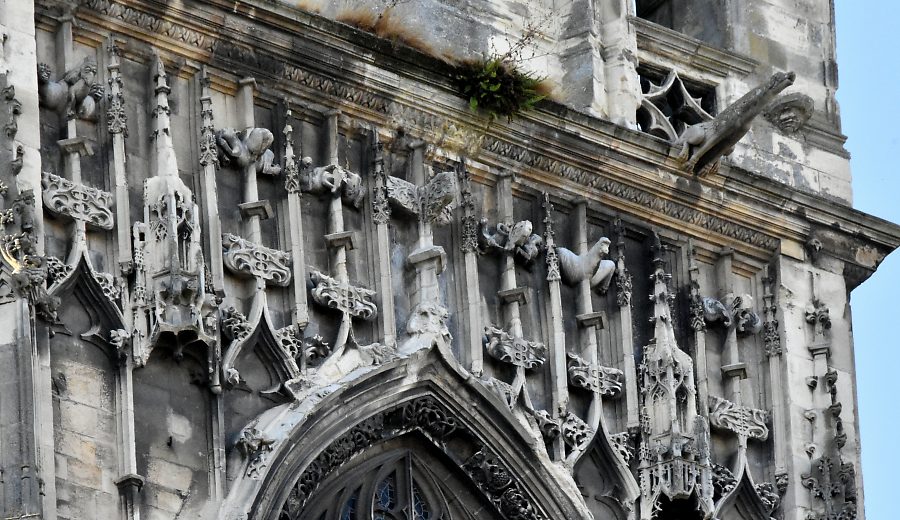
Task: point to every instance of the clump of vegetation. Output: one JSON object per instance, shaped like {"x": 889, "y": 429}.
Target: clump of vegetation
{"x": 496, "y": 87}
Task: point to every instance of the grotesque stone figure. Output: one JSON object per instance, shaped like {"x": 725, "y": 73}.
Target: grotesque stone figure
{"x": 701, "y": 146}
{"x": 589, "y": 266}
{"x": 791, "y": 112}
{"x": 427, "y": 327}
{"x": 250, "y": 147}
{"x": 76, "y": 92}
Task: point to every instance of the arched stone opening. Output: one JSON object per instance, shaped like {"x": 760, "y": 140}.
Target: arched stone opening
{"x": 447, "y": 419}
{"x": 403, "y": 478}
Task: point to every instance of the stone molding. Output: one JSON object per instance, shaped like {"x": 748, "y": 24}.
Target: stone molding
{"x": 663, "y": 207}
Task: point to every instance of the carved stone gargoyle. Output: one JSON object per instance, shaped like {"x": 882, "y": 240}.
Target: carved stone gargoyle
{"x": 700, "y": 147}
{"x": 589, "y": 266}
{"x": 333, "y": 179}
{"x": 516, "y": 239}
{"x": 739, "y": 315}
{"x": 76, "y": 92}
{"x": 248, "y": 147}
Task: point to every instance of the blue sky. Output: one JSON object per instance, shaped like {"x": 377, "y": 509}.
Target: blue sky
{"x": 869, "y": 68}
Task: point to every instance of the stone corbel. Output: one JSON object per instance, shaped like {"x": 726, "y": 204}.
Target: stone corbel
{"x": 740, "y": 420}
{"x": 594, "y": 378}
{"x": 77, "y": 201}
{"x": 244, "y": 258}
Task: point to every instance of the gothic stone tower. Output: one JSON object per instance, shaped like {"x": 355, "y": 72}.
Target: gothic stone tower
{"x": 262, "y": 260}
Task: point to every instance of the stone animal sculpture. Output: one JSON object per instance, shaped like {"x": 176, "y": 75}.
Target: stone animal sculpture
{"x": 334, "y": 179}
{"x": 589, "y": 266}
{"x": 76, "y": 92}
{"x": 740, "y": 315}
{"x": 517, "y": 239}
{"x": 701, "y": 146}
{"x": 250, "y": 147}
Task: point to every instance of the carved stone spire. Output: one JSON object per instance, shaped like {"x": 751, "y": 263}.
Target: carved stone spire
{"x": 170, "y": 285}
{"x": 675, "y": 441}
{"x": 163, "y": 149}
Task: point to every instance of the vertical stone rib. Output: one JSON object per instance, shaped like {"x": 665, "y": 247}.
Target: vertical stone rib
{"x": 773, "y": 352}
{"x": 116, "y": 123}
{"x": 587, "y": 332}
{"x": 699, "y": 325}
{"x": 251, "y": 191}
{"x": 295, "y": 222}
{"x": 209, "y": 161}
{"x": 472, "y": 350}
{"x": 626, "y": 335}
{"x": 381, "y": 216}
{"x": 559, "y": 387}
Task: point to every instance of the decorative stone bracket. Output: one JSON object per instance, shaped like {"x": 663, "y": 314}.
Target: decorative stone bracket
{"x": 244, "y": 258}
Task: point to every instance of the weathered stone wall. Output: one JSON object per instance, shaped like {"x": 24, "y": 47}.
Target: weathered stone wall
{"x": 210, "y": 327}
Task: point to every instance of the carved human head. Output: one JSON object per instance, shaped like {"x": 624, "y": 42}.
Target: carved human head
{"x": 44, "y": 72}
{"x": 428, "y": 318}
{"x": 790, "y": 112}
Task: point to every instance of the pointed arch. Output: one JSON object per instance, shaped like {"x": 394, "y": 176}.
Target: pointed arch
{"x": 422, "y": 395}
{"x": 82, "y": 281}
{"x": 743, "y": 502}
{"x": 603, "y": 476}
{"x": 259, "y": 334}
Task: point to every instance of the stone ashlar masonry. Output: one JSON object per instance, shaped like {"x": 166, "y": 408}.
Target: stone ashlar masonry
{"x": 261, "y": 261}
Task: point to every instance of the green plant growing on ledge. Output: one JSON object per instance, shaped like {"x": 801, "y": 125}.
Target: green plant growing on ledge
{"x": 497, "y": 87}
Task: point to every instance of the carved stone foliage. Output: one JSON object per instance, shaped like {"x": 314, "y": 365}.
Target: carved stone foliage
{"x": 515, "y": 239}
{"x": 245, "y": 258}
{"x": 588, "y": 266}
{"x": 29, "y": 274}
{"x": 469, "y": 223}
{"x": 549, "y": 427}
{"x": 235, "y": 325}
{"x": 425, "y": 415}
{"x": 334, "y": 180}
{"x": 623, "y": 288}
{"x": 790, "y": 112}
{"x": 723, "y": 480}
{"x": 772, "y": 338}
{"x": 702, "y": 145}
{"x": 592, "y": 377}
{"x": 745, "y": 422}
{"x": 316, "y": 348}
{"x": 76, "y": 93}
{"x": 621, "y": 442}
{"x": 499, "y": 485}
{"x": 355, "y": 301}
{"x": 576, "y": 433}
{"x": 108, "y": 285}
{"x": 769, "y": 495}
{"x": 739, "y": 314}
{"x": 432, "y": 202}
{"x": 77, "y": 201}
{"x": 254, "y": 447}
{"x": 248, "y": 148}
{"x": 516, "y": 351}
{"x": 817, "y": 314}
{"x": 833, "y": 483}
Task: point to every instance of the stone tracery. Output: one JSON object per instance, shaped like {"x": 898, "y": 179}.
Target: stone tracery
{"x": 416, "y": 261}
